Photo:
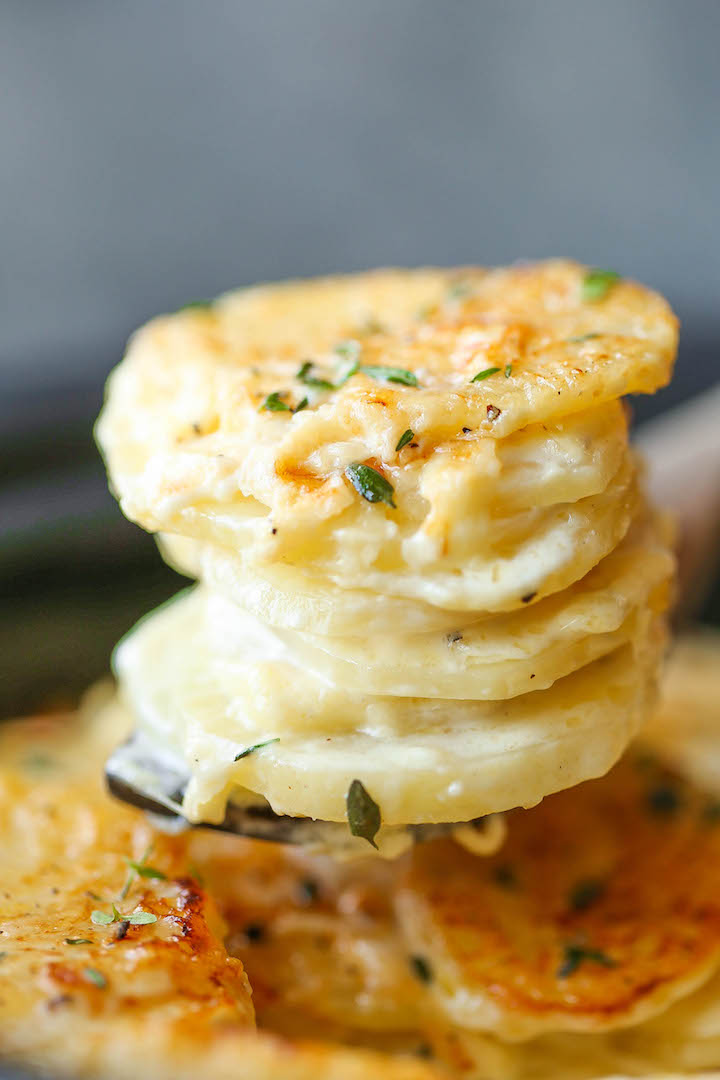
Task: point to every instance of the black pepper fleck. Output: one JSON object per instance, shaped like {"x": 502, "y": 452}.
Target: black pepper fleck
{"x": 663, "y": 801}
{"x": 421, "y": 969}
{"x": 254, "y": 932}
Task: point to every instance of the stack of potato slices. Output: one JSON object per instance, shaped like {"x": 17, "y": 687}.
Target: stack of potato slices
{"x": 431, "y": 588}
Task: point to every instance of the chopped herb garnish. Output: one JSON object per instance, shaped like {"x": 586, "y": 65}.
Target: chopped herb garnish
{"x": 585, "y": 893}
{"x": 390, "y": 374}
{"x": 458, "y": 290}
{"x": 508, "y": 371}
{"x": 95, "y": 976}
{"x": 140, "y": 918}
{"x": 575, "y": 955}
{"x": 38, "y": 761}
{"x": 369, "y": 483}
{"x": 421, "y": 969}
{"x": 528, "y": 597}
{"x": 349, "y": 351}
{"x": 363, "y": 813}
{"x": 102, "y": 918}
{"x": 137, "y": 918}
{"x": 256, "y": 746}
{"x": 582, "y": 337}
{"x": 485, "y": 374}
{"x": 78, "y": 941}
{"x": 135, "y": 870}
{"x": 308, "y": 890}
{"x": 305, "y": 376}
{"x": 406, "y": 437}
{"x": 597, "y": 284}
{"x": 196, "y": 305}
{"x": 663, "y": 800}
{"x": 274, "y": 403}
{"x": 505, "y": 876}
{"x": 301, "y": 405}
{"x": 146, "y": 871}
{"x": 466, "y": 430}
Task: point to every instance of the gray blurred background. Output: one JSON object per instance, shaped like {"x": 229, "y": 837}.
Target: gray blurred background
{"x": 156, "y": 151}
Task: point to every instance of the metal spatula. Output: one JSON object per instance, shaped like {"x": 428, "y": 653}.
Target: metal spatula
{"x": 140, "y": 774}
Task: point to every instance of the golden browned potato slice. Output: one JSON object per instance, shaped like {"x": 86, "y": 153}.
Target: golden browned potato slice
{"x": 203, "y": 435}
{"x": 161, "y": 1000}
{"x": 601, "y": 910}
{"x": 65, "y": 852}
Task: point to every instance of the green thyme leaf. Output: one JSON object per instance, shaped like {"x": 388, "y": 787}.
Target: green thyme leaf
{"x": 585, "y": 893}
{"x": 140, "y": 918}
{"x": 370, "y": 484}
{"x": 390, "y": 374}
{"x": 305, "y": 376}
{"x": 581, "y": 337}
{"x": 485, "y": 374}
{"x": 146, "y": 871}
{"x": 78, "y": 941}
{"x": 102, "y": 918}
{"x": 508, "y": 371}
{"x": 196, "y": 305}
{"x": 274, "y": 403}
{"x": 405, "y": 438}
{"x": 39, "y": 761}
{"x": 301, "y": 405}
{"x": 575, "y": 955}
{"x": 95, "y": 976}
{"x": 597, "y": 284}
{"x": 349, "y": 352}
{"x": 421, "y": 969}
{"x": 363, "y": 813}
{"x": 458, "y": 290}
{"x": 254, "y": 747}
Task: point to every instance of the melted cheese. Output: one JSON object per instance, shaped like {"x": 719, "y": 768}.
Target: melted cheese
{"x": 190, "y": 450}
